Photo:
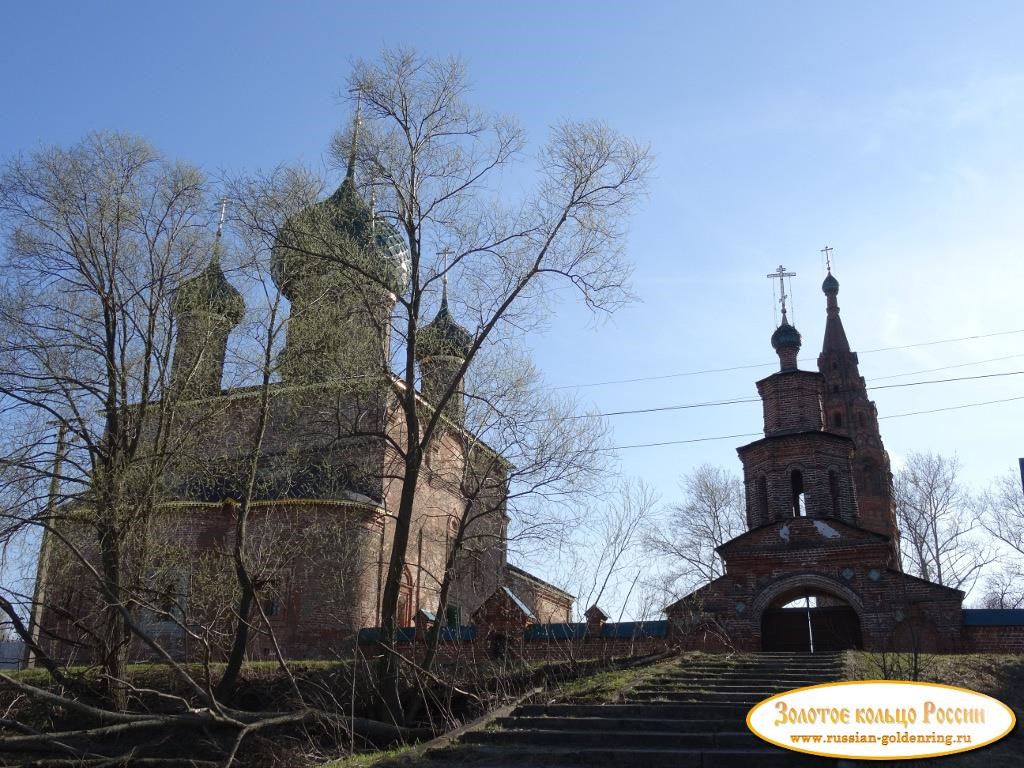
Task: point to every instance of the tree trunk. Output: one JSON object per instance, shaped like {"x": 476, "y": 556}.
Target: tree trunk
{"x": 391, "y": 700}
{"x": 245, "y": 602}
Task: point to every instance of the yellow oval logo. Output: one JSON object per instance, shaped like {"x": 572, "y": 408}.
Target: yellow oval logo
{"x": 881, "y": 720}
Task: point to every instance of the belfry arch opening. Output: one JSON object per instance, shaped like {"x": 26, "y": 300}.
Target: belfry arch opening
{"x": 796, "y": 480}
{"x": 809, "y": 619}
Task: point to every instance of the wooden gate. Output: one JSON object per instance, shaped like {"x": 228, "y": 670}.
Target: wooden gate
{"x": 835, "y": 628}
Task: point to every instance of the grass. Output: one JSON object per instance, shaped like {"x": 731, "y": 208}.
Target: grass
{"x": 380, "y": 758}
{"x": 996, "y": 675}
{"x": 606, "y": 686}
{"x": 250, "y": 669}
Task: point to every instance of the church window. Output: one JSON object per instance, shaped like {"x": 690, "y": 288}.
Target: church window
{"x": 453, "y": 616}
{"x": 762, "y": 500}
{"x": 860, "y": 419}
{"x": 833, "y": 487}
{"x": 453, "y": 533}
{"x": 796, "y": 480}
{"x": 837, "y": 419}
{"x": 271, "y": 607}
{"x": 405, "y": 599}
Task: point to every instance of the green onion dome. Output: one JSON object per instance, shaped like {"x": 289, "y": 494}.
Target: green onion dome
{"x": 210, "y": 292}
{"x": 831, "y": 285}
{"x": 443, "y": 336}
{"x": 785, "y": 336}
{"x": 341, "y": 227}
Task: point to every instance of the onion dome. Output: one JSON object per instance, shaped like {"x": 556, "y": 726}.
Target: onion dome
{"x": 831, "y": 285}
{"x": 345, "y": 227}
{"x": 786, "y": 337}
{"x": 443, "y": 337}
{"x": 210, "y": 292}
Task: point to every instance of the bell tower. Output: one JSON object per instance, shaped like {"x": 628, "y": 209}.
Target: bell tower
{"x": 798, "y": 469}
{"x": 849, "y": 412}
{"x": 821, "y": 524}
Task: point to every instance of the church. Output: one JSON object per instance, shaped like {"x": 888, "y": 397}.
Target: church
{"x": 819, "y": 567}
{"x": 314, "y": 453}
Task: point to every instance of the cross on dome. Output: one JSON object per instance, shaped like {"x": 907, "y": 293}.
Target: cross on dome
{"x": 782, "y": 274}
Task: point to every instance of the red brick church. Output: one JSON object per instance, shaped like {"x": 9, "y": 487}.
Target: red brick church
{"x": 819, "y": 566}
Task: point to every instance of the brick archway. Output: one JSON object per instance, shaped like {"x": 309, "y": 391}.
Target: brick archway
{"x": 828, "y": 628}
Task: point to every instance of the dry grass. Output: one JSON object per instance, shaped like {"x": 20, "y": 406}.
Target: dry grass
{"x": 995, "y": 675}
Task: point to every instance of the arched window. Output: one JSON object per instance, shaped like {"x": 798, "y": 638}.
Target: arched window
{"x": 860, "y": 419}
{"x": 762, "y": 500}
{"x": 796, "y": 481}
{"x": 452, "y": 535}
{"x": 833, "y": 487}
{"x": 837, "y": 419}
{"x": 405, "y": 599}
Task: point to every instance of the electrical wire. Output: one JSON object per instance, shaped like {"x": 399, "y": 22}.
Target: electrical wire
{"x": 757, "y": 434}
{"x": 683, "y": 374}
{"x": 737, "y": 400}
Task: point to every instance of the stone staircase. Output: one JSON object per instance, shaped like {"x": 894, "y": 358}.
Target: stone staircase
{"x": 685, "y": 714}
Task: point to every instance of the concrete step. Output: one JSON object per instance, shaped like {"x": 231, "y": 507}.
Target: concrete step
{"x": 708, "y": 697}
{"x": 716, "y": 685}
{"x": 656, "y": 710}
{"x": 759, "y": 672}
{"x": 786, "y": 683}
{"x": 505, "y": 756}
{"x": 683, "y": 716}
{"x": 617, "y": 724}
{"x": 618, "y": 739}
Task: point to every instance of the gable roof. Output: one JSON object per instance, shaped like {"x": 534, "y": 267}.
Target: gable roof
{"x": 518, "y": 603}
{"x": 520, "y": 573}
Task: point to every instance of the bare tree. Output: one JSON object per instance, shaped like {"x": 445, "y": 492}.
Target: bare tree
{"x": 431, "y": 157}
{"x": 938, "y": 524}
{"x": 434, "y": 166}
{"x": 1004, "y": 588}
{"x": 612, "y": 538}
{"x": 711, "y": 513}
{"x": 108, "y": 254}
{"x": 1003, "y": 517}
{"x": 97, "y": 237}
{"x": 530, "y": 459}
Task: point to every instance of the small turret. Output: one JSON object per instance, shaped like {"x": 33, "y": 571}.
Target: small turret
{"x": 206, "y": 307}
{"x": 442, "y": 348}
{"x": 786, "y": 342}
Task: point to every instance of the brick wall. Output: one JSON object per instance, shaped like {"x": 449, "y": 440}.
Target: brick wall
{"x": 824, "y": 463}
{"x": 994, "y": 639}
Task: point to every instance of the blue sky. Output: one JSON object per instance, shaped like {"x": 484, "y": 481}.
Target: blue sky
{"x": 891, "y": 132}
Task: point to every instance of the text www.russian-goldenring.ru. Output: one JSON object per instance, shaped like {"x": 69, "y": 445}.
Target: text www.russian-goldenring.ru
{"x": 884, "y": 740}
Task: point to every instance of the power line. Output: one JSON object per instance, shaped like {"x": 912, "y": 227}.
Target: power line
{"x": 736, "y": 400}
{"x": 947, "y": 367}
{"x": 946, "y": 381}
{"x": 655, "y": 409}
{"x": 680, "y": 442}
{"x": 951, "y": 408}
{"x": 756, "y": 434}
{"x": 944, "y": 341}
{"x": 683, "y": 374}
